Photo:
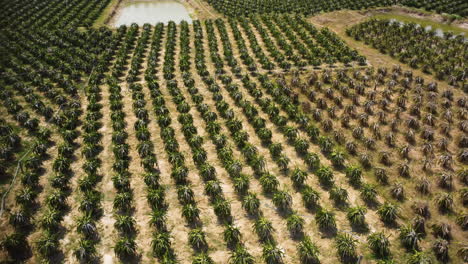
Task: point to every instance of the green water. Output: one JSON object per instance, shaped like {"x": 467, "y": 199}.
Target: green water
{"x": 151, "y": 12}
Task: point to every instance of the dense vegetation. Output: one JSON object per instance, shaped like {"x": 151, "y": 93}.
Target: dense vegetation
{"x": 258, "y": 139}
{"x": 239, "y": 8}
{"x": 50, "y": 13}
{"x": 458, "y": 7}
{"x": 444, "y": 56}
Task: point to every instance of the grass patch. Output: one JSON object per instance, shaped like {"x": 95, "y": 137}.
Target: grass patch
{"x": 106, "y": 13}
{"x": 423, "y": 22}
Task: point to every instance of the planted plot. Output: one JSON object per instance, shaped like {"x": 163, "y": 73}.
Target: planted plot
{"x": 11, "y": 145}
{"x": 249, "y": 7}
{"x": 238, "y": 8}
{"x": 457, "y": 7}
{"x": 248, "y": 139}
{"x": 280, "y": 42}
{"x": 443, "y": 56}
{"x": 410, "y": 148}
{"x": 51, "y": 14}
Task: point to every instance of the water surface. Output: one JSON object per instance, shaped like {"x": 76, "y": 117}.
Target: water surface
{"x": 151, "y": 12}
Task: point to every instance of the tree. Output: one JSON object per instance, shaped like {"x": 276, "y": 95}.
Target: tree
{"x": 464, "y": 196}
{"x": 232, "y": 235}
{"x": 282, "y": 200}
{"x": 125, "y": 248}
{"x": 419, "y": 224}
{"x": 158, "y": 218}
{"x": 86, "y": 225}
{"x": 310, "y": 197}
{"x": 337, "y": 158}
{"x": 20, "y": 218}
{"x": 51, "y": 219}
{"x": 26, "y": 196}
{"x": 298, "y": 177}
{"x": 191, "y": 213}
{"x": 325, "y": 219}
{"x": 15, "y": 244}
{"x": 312, "y": 160}
{"x": 61, "y": 164}
{"x": 241, "y": 183}
{"x": 446, "y": 181}
{"x": 241, "y": 256}
{"x": 308, "y": 251}
{"x": 213, "y": 189}
{"x": 404, "y": 170}
{"x": 91, "y": 202}
{"x": 272, "y": 254}
{"x": 462, "y": 221}
{"x": 388, "y": 212}
{"x": 441, "y": 249}
{"x": 258, "y": 164}
{"x": 339, "y": 195}
{"x": 123, "y": 201}
{"x": 325, "y": 175}
{"x": 264, "y": 229}
{"x": 346, "y": 247}
{"x": 156, "y": 197}
{"x": 420, "y": 257}
{"x": 48, "y": 244}
{"x": 290, "y": 132}
{"x": 185, "y": 194}
{"x": 444, "y": 201}
{"x": 269, "y": 182}
{"x": 397, "y": 191}
{"x": 208, "y": 172}
{"x": 409, "y": 238}
{"x": 354, "y": 175}
{"x": 283, "y": 162}
{"x": 442, "y": 230}
{"x": 379, "y": 244}
{"x": 381, "y": 175}
{"x": 197, "y": 239}
{"x": 125, "y": 224}
{"x": 326, "y": 144}
{"x": 301, "y": 146}
{"x": 161, "y": 244}
{"x": 424, "y": 185}
{"x": 369, "y": 193}
{"x": 265, "y": 135}
{"x": 85, "y": 251}
{"x": 463, "y": 253}
{"x": 275, "y": 149}
{"x": 202, "y": 258}
{"x": 295, "y": 224}
{"x": 251, "y": 204}
{"x": 357, "y": 216}
{"x": 222, "y": 209}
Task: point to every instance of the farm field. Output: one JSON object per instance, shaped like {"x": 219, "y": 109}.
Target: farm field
{"x": 254, "y": 133}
